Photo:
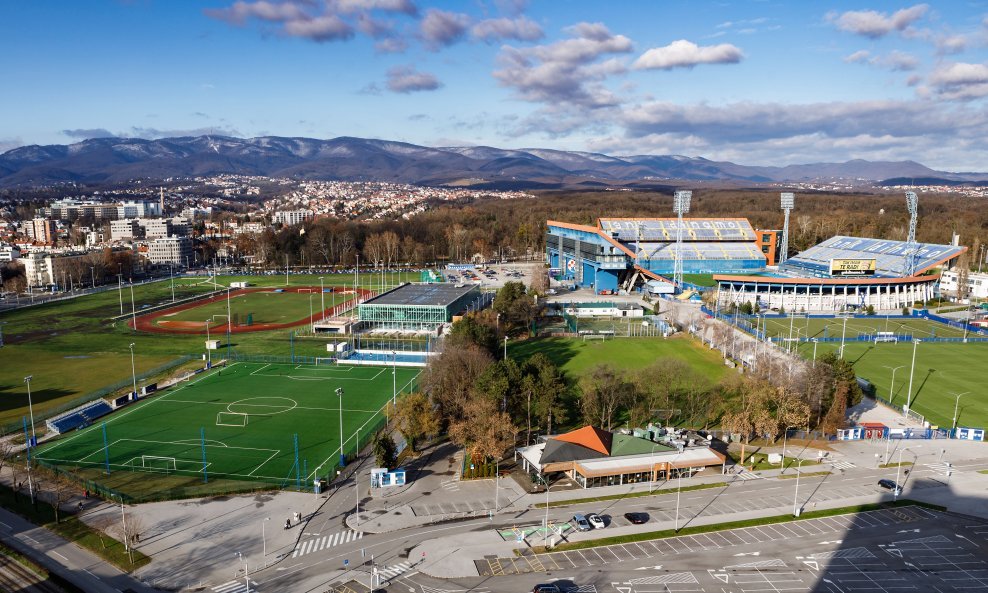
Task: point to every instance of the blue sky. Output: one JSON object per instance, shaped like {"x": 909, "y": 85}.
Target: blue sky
{"x": 771, "y": 83}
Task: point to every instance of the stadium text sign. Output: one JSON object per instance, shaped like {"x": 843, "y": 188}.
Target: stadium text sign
{"x": 852, "y": 267}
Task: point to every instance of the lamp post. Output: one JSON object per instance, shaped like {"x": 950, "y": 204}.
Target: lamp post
{"x": 339, "y": 393}
{"x": 394, "y": 378}
{"x": 209, "y": 357}
{"x": 545, "y": 525}
{"x": 795, "y": 497}
{"x": 785, "y": 437}
{"x": 957, "y": 401}
{"x": 322, "y": 298}
{"x": 815, "y": 342}
{"x": 171, "y": 278}
{"x": 311, "y": 325}
{"x": 843, "y": 332}
{"x": 133, "y": 368}
{"x": 30, "y": 408}
{"x": 92, "y": 270}
{"x": 133, "y": 306}
{"x": 229, "y": 320}
{"x": 679, "y": 488}
{"x": 892, "y": 386}
{"x": 912, "y": 368}
{"x": 264, "y": 542}
{"x": 505, "y": 347}
{"x": 120, "y": 289}
{"x": 246, "y": 578}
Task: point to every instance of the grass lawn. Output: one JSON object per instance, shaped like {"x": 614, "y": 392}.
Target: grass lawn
{"x": 575, "y": 356}
{"x": 700, "y": 279}
{"x": 250, "y": 412}
{"x": 942, "y": 371}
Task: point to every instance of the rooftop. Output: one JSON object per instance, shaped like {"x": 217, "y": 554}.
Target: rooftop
{"x": 423, "y": 295}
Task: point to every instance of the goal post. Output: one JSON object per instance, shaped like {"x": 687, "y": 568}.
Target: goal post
{"x": 320, "y": 360}
{"x": 231, "y": 419}
{"x": 158, "y": 463}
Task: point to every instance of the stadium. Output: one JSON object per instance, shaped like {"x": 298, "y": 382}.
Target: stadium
{"x": 838, "y": 275}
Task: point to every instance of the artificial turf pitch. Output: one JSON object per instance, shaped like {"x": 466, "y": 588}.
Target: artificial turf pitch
{"x": 832, "y": 327}
{"x": 250, "y": 413}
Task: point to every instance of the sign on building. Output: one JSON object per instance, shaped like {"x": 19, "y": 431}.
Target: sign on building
{"x": 852, "y": 267}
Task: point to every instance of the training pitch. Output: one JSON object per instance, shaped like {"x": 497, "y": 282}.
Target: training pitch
{"x": 804, "y": 328}
{"x": 249, "y": 414}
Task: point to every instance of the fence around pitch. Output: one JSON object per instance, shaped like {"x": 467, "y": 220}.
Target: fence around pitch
{"x": 102, "y": 392}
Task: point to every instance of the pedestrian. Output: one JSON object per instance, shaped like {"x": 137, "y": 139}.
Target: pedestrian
{"x": 87, "y": 493}
{"x": 137, "y": 537}
{"x": 288, "y": 523}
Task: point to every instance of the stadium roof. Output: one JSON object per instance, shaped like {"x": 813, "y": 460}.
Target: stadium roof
{"x": 423, "y": 295}
{"x": 890, "y": 256}
{"x": 665, "y": 229}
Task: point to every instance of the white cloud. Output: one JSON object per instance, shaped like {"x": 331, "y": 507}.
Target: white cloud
{"x": 567, "y": 72}
{"x": 961, "y": 81}
{"x": 406, "y": 79}
{"x": 521, "y": 28}
{"x": 440, "y": 28}
{"x": 356, "y": 6}
{"x": 321, "y": 28}
{"x": 895, "y": 60}
{"x": 686, "y": 54}
{"x": 873, "y": 24}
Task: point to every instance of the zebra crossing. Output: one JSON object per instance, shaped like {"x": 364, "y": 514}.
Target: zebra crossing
{"x": 941, "y": 467}
{"x": 326, "y": 541}
{"x": 233, "y": 587}
{"x": 841, "y": 464}
{"x": 745, "y": 475}
{"x": 389, "y": 572}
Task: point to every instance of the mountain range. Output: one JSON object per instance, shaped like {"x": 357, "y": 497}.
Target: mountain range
{"x": 117, "y": 160}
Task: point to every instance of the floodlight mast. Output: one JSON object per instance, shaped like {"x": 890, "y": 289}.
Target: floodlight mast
{"x": 681, "y": 206}
{"x": 788, "y": 203}
{"x": 912, "y": 204}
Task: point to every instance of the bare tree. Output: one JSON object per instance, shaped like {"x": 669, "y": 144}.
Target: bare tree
{"x": 604, "y": 392}
{"x": 61, "y": 492}
{"x": 129, "y": 530}
{"x": 103, "y": 524}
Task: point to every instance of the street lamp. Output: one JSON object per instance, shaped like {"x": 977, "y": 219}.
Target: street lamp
{"x": 133, "y": 369}
{"x": 545, "y": 525}
{"x": 795, "y": 497}
{"x": 339, "y": 393}
{"x": 679, "y": 488}
{"x": 264, "y": 542}
{"x": 92, "y": 269}
{"x": 246, "y": 578}
{"x": 912, "y": 367}
{"x": 34, "y": 438}
{"x": 322, "y": 298}
{"x": 120, "y": 288}
{"x": 785, "y": 437}
{"x": 843, "y": 332}
{"x": 505, "y": 347}
{"x": 394, "y": 378}
{"x": 957, "y": 402}
{"x": 815, "y": 342}
{"x": 892, "y": 386}
{"x": 311, "y": 325}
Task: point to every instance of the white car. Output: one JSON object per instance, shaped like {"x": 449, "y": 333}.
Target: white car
{"x": 595, "y": 521}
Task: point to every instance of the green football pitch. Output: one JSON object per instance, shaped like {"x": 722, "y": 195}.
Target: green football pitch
{"x": 250, "y": 414}
{"x": 831, "y": 327}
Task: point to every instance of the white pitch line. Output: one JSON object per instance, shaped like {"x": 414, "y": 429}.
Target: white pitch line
{"x": 264, "y": 462}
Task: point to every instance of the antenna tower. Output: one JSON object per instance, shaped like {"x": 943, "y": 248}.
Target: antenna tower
{"x": 681, "y": 206}
{"x": 912, "y": 204}
{"x": 788, "y": 203}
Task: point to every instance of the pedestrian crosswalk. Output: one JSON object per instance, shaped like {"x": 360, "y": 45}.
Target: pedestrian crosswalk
{"x": 941, "y": 467}
{"x": 842, "y": 465}
{"x": 233, "y": 587}
{"x": 747, "y": 475}
{"x": 389, "y": 572}
{"x": 326, "y": 541}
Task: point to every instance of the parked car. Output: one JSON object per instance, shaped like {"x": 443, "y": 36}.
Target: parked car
{"x": 595, "y": 521}
{"x": 890, "y": 485}
{"x": 636, "y": 518}
{"x": 581, "y": 522}
{"x": 546, "y": 588}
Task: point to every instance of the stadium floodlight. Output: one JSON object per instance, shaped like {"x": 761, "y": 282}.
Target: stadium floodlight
{"x": 681, "y": 206}
{"x": 133, "y": 368}
{"x": 788, "y": 201}
{"x": 912, "y": 204}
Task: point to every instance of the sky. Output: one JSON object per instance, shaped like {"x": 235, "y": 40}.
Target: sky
{"x": 756, "y": 82}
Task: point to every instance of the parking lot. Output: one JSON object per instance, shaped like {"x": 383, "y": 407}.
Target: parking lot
{"x": 493, "y": 276}
{"x": 907, "y": 549}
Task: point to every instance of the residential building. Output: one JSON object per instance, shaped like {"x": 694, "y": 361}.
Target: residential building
{"x": 9, "y": 253}
{"x": 291, "y": 217}
{"x": 125, "y": 230}
{"x": 42, "y": 230}
{"x": 170, "y": 250}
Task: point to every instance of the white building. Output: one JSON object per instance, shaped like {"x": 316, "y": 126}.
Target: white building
{"x": 291, "y": 217}
{"x": 977, "y": 283}
{"x": 138, "y": 209}
{"x": 38, "y": 269}
{"x": 170, "y": 250}
{"x": 9, "y": 253}
{"x": 122, "y": 230}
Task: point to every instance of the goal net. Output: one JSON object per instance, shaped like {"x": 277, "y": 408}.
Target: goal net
{"x": 325, "y": 361}
{"x": 231, "y": 419}
{"x": 160, "y": 464}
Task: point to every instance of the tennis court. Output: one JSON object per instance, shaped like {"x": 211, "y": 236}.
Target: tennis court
{"x": 240, "y": 422}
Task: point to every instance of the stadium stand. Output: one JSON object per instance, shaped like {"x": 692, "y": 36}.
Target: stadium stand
{"x": 78, "y": 417}
{"x": 890, "y": 256}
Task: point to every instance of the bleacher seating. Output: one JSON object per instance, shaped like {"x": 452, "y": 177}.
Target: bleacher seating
{"x": 890, "y": 256}
{"x": 664, "y": 229}
{"x": 81, "y": 416}
{"x": 699, "y": 250}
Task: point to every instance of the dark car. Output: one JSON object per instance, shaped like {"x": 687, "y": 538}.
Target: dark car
{"x": 636, "y": 518}
{"x": 546, "y": 588}
{"x": 890, "y": 485}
